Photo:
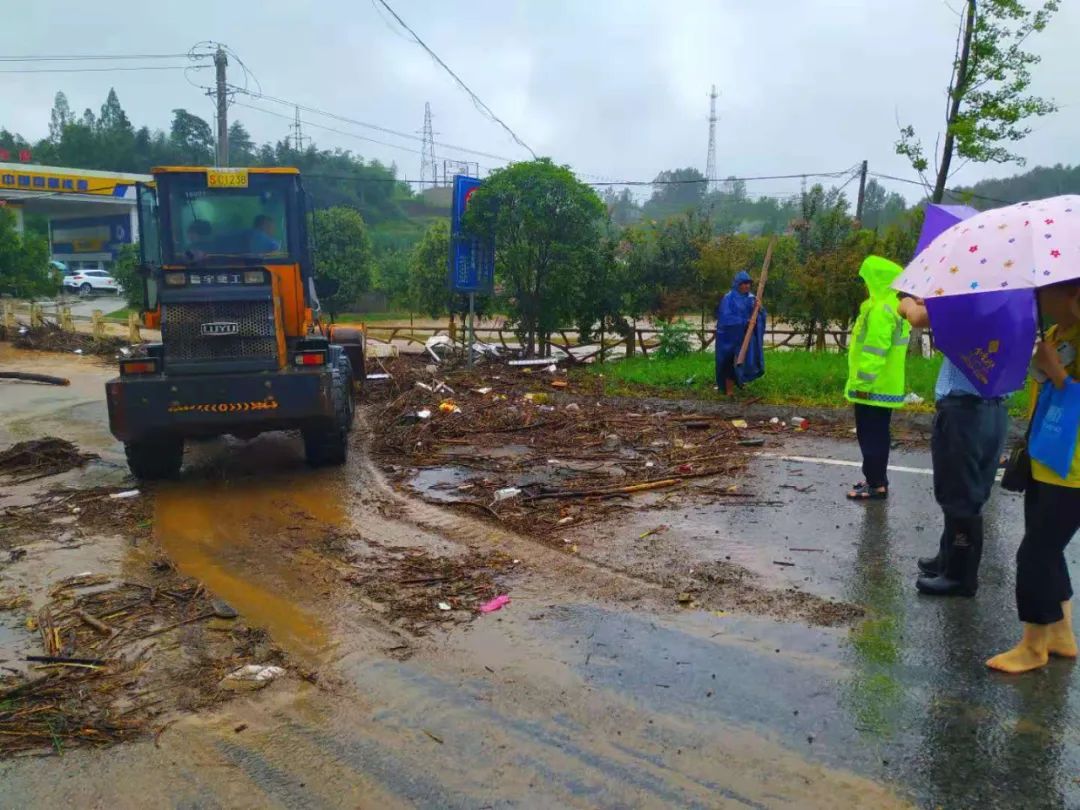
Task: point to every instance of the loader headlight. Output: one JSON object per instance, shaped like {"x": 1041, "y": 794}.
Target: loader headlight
{"x": 175, "y": 279}
{"x": 254, "y": 277}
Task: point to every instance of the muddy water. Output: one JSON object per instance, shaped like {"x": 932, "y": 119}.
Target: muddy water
{"x": 241, "y": 521}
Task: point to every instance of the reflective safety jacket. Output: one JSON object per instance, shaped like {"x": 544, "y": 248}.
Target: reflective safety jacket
{"x": 879, "y": 341}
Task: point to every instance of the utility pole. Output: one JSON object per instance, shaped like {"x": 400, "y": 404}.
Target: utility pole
{"x": 862, "y": 193}
{"x": 220, "y": 61}
{"x": 710, "y": 161}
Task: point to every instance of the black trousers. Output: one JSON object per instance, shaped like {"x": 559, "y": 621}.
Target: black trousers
{"x": 965, "y": 448}
{"x": 872, "y": 428}
{"x": 1051, "y": 518}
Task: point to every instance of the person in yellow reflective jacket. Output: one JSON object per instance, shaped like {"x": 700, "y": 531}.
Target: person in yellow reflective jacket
{"x": 875, "y": 384}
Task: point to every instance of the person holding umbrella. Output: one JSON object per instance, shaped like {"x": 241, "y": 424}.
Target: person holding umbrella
{"x": 984, "y": 280}
{"x": 965, "y": 446}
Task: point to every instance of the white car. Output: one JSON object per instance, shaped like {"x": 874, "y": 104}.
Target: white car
{"x": 90, "y": 282}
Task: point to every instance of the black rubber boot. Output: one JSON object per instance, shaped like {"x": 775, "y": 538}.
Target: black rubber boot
{"x": 931, "y": 566}
{"x": 963, "y": 555}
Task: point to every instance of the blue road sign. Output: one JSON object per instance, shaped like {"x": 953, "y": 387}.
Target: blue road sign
{"x": 472, "y": 261}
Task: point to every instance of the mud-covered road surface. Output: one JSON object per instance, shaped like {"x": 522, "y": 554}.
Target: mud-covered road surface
{"x": 597, "y": 686}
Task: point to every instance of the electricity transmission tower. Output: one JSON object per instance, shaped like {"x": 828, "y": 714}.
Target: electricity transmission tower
{"x": 429, "y": 170}
{"x": 297, "y": 132}
{"x": 710, "y": 163}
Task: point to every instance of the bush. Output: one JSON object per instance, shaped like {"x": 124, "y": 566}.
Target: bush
{"x": 126, "y": 272}
{"x": 675, "y": 339}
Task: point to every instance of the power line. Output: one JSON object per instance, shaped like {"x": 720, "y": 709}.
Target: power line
{"x": 103, "y": 69}
{"x": 704, "y": 180}
{"x": 346, "y": 120}
{"x": 100, "y": 57}
{"x": 954, "y": 191}
{"x": 480, "y": 105}
{"x": 332, "y": 129}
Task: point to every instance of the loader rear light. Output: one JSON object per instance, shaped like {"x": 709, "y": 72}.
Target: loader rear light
{"x": 130, "y": 368}
{"x": 316, "y": 358}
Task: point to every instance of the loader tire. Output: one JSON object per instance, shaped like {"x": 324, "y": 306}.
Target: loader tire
{"x": 326, "y": 444}
{"x": 155, "y": 459}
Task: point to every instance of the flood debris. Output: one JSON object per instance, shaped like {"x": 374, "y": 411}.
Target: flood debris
{"x": 64, "y": 515}
{"x": 417, "y": 590}
{"x": 524, "y": 455}
{"x": 25, "y": 376}
{"x": 116, "y": 658}
{"x": 251, "y": 677}
{"x": 50, "y": 337}
{"x": 498, "y": 603}
{"x": 40, "y": 458}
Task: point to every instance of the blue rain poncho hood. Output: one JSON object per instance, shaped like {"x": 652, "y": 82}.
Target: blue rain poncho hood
{"x": 735, "y": 307}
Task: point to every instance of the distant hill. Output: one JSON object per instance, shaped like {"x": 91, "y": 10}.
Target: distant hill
{"x": 1042, "y": 181}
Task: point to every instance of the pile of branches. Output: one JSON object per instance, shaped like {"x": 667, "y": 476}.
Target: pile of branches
{"x": 39, "y": 458}
{"x": 51, "y": 338}
{"x": 101, "y": 679}
{"x": 573, "y": 460}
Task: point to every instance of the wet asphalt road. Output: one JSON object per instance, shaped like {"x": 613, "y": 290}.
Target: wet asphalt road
{"x": 916, "y": 705}
{"x": 565, "y": 699}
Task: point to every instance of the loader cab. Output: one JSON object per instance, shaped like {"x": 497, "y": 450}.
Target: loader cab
{"x": 226, "y": 266}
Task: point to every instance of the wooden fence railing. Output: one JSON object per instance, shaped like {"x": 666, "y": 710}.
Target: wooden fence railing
{"x": 642, "y": 340}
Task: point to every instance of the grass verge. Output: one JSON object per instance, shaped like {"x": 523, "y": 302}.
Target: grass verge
{"x": 811, "y": 379}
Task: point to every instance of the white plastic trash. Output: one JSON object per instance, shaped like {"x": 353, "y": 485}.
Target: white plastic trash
{"x": 250, "y": 677}
{"x": 506, "y": 493}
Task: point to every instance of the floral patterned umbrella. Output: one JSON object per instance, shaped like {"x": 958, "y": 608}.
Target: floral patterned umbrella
{"x": 1030, "y": 244}
{"x": 978, "y": 279}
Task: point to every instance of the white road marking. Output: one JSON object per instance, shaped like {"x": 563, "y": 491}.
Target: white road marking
{"x": 838, "y": 462}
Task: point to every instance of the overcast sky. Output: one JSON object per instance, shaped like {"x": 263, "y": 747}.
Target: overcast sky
{"x": 615, "y": 88}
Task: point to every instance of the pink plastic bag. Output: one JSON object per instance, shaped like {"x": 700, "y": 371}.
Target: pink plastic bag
{"x": 497, "y": 603}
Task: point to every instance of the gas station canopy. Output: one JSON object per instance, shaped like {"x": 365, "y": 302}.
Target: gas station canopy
{"x": 91, "y": 214}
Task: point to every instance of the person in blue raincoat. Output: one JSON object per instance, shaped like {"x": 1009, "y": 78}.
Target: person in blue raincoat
{"x": 732, "y": 318}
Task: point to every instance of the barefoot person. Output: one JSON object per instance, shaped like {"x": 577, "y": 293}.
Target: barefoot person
{"x": 875, "y": 383}
{"x": 965, "y": 448}
{"x": 1051, "y": 506}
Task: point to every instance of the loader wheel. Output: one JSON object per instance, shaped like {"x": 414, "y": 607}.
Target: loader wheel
{"x": 154, "y": 459}
{"x": 327, "y": 444}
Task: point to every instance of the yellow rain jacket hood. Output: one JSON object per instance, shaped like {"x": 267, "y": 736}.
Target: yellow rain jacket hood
{"x": 879, "y": 341}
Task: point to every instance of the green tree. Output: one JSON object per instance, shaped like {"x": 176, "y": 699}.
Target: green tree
{"x": 621, "y": 206}
{"x": 192, "y": 138}
{"x": 881, "y": 208}
{"x": 545, "y": 225}
{"x": 676, "y": 191}
{"x": 392, "y": 276}
{"x": 126, "y": 271}
{"x": 342, "y": 253}
{"x": 24, "y": 261}
{"x": 241, "y": 147}
{"x": 988, "y": 99}
{"x": 60, "y": 118}
{"x": 602, "y": 303}
{"x": 429, "y": 288}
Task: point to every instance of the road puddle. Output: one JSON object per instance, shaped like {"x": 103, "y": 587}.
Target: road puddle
{"x": 248, "y": 540}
